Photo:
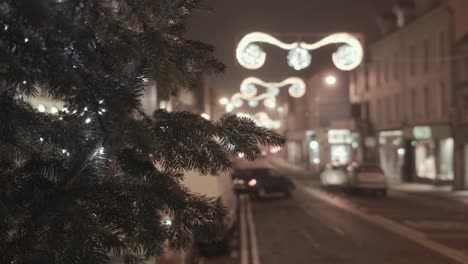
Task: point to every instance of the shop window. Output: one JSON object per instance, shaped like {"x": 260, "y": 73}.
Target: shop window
{"x": 446, "y": 159}
{"x": 425, "y": 160}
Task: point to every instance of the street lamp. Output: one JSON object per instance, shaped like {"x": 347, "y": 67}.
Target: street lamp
{"x": 224, "y": 101}
{"x": 330, "y": 80}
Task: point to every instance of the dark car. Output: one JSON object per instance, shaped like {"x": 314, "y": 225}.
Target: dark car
{"x": 260, "y": 181}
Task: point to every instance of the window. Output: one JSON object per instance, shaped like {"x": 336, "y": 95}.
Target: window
{"x": 397, "y": 106}
{"x": 427, "y": 97}
{"x": 377, "y": 72}
{"x": 395, "y": 66}
{"x": 465, "y": 70}
{"x": 412, "y": 56}
{"x": 386, "y": 70}
{"x": 413, "y": 103}
{"x": 426, "y": 55}
{"x": 443, "y": 100}
{"x": 442, "y": 47}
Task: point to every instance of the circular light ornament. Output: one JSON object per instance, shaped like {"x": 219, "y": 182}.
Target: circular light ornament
{"x": 253, "y": 103}
{"x": 229, "y": 107}
{"x": 237, "y": 102}
{"x": 270, "y": 102}
{"x": 253, "y": 57}
{"x": 224, "y": 101}
{"x": 273, "y": 90}
{"x": 347, "y": 57}
{"x": 296, "y": 90}
{"x": 248, "y": 90}
{"x": 299, "y": 58}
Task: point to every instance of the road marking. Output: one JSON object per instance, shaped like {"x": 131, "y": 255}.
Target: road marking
{"x": 253, "y": 235}
{"x": 392, "y": 226}
{"x": 306, "y": 234}
{"x": 243, "y": 231}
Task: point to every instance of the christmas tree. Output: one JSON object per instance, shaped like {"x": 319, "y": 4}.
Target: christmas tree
{"x": 99, "y": 177}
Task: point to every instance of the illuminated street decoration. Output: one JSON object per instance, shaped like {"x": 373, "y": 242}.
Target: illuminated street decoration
{"x": 299, "y": 58}
{"x": 273, "y": 90}
{"x": 347, "y": 57}
{"x": 270, "y": 102}
{"x": 297, "y": 86}
{"x": 237, "y": 100}
{"x": 253, "y": 103}
{"x": 262, "y": 119}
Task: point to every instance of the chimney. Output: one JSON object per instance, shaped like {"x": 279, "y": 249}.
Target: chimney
{"x": 404, "y": 11}
{"x": 387, "y": 23}
{"x": 423, "y": 6}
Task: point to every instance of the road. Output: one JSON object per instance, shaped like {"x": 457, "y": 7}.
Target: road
{"x": 318, "y": 227}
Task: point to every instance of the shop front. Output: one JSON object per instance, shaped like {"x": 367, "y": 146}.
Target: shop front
{"x": 461, "y": 177}
{"x": 429, "y": 154}
{"x": 391, "y": 154}
{"x": 340, "y": 145}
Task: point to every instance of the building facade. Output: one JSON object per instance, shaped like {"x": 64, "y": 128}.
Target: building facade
{"x": 404, "y": 93}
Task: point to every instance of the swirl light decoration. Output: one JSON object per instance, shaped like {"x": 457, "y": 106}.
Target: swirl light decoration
{"x": 297, "y": 87}
{"x": 347, "y": 57}
{"x": 237, "y": 99}
{"x": 262, "y": 119}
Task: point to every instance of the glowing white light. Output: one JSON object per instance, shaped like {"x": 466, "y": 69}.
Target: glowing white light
{"x": 26, "y": 40}
{"x": 241, "y": 155}
{"x": 41, "y": 108}
{"x": 252, "y": 182}
{"x": 224, "y": 101}
{"x": 229, "y": 107}
{"x": 64, "y": 151}
{"x": 5, "y": 27}
{"x": 296, "y": 90}
{"x": 401, "y": 151}
{"x": 103, "y": 110}
{"x": 168, "y": 222}
{"x": 316, "y": 161}
{"x": 41, "y": 139}
{"x": 280, "y": 109}
{"x": 74, "y": 66}
{"x": 253, "y": 55}
{"x": 25, "y": 82}
{"x": 144, "y": 79}
{"x": 88, "y": 120}
{"x": 101, "y": 101}
{"x": 273, "y": 90}
{"x": 248, "y": 89}
{"x": 347, "y": 57}
{"x": 237, "y": 101}
{"x": 330, "y": 80}
{"x": 250, "y": 55}
{"x": 53, "y": 110}
{"x": 85, "y": 109}
{"x": 262, "y": 119}
{"x": 101, "y": 150}
{"x": 60, "y": 118}
{"x": 270, "y": 102}
{"x": 65, "y": 110}
{"x": 314, "y": 145}
{"x": 206, "y": 116}
{"x": 299, "y": 58}
{"x": 253, "y": 103}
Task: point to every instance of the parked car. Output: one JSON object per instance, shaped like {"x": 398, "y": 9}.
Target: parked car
{"x": 260, "y": 181}
{"x": 366, "y": 177}
{"x": 334, "y": 176}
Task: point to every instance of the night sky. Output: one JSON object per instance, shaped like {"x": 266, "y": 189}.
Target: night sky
{"x": 230, "y": 20}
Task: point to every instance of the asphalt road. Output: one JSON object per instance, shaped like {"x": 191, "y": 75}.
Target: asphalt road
{"x": 306, "y": 230}
{"x": 402, "y": 228}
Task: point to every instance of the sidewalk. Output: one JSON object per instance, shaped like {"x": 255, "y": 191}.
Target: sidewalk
{"x": 431, "y": 190}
